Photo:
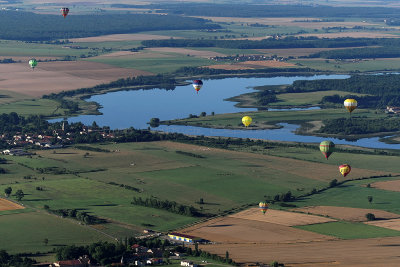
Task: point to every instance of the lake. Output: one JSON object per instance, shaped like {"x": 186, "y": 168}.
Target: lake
{"x": 126, "y": 109}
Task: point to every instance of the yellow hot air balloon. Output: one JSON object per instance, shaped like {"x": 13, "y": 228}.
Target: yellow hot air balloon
{"x": 246, "y": 120}
{"x": 350, "y": 104}
{"x": 344, "y": 169}
{"x": 263, "y": 207}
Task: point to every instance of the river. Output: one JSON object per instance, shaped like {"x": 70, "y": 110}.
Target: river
{"x": 124, "y": 109}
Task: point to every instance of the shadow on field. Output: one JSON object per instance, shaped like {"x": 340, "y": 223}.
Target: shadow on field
{"x": 104, "y": 205}
{"x": 38, "y": 199}
{"x": 220, "y": 225}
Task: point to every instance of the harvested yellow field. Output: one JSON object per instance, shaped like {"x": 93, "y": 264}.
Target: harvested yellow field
{"x": 347, "y": 214}
{"x": 280, "y": 217}
{"x": 393, "y": 224}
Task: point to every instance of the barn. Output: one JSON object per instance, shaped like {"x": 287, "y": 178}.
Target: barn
{"x": 183, "y": 237}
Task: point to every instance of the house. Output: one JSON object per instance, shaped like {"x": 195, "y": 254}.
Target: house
{"x": 395, "y": 110}
{"x": 69, "y": 263}
{"x": 187, "y": 263}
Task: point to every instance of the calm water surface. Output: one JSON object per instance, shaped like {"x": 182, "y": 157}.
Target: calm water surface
{"x": 126, "y": 109}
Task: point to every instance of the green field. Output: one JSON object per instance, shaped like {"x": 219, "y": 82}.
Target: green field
{"x": 26, "y": 231}
{"x": 354, "y": 194}
{"x": 224, "y": 179}
{"x": 46, "y": 107}
{"x": 361, "y": 66}
{"x": 346, "y": 230}
{"x": 263, "y": 118}
{"x": 156, "y": 65}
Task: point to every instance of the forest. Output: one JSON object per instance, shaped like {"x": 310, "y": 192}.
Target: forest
{"x": 26, "y": 26}
{"x": 359, "y": 53}
{"x": 347, "y": 126}
{"x": 248, "y": 10}
{"x": 288, "y": 42}
{"x": 384, "y": 88}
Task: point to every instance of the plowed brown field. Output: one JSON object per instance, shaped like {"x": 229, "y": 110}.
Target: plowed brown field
{"x": 9, "y": 205}
{"x": 388, "y": 185}
{"x": 51, "y": 77}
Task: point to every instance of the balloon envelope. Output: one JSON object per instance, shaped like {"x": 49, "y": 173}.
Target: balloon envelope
{"x": 197, "y": 84}
{"x": 246, "y": 120}
{"x": 350, "y": 104}
{"x": 64, "y": 11}
{"x": 263, "y": 207}
{"x": 33, "y": 63}
{"x": 326, "y": 148}
{"x": 344, "y": 169}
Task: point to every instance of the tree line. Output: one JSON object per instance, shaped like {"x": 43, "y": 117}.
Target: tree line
{"x": 82, "y": 216}
{"x": 167, "y": 205}
{"x": 347, "y": 126}
{"x": 288, "y": 42}
{"x": 27, "y": 26}
{"x": 255, "y": 10}
{"x": 161, "y": 80}
{"x": 359, "y": 53}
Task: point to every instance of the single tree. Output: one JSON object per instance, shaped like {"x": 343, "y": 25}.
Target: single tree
{"x": 333, "y": 183}
{"x": 370, "y": 216}
{"x": 226, "y": 255}
{"x": 201, "y": 201}
{"x": 45, "y": 241}
{"x": 370, "y": 198}
{"x": 8, "y": 191}
{"x": 19, "y": 194}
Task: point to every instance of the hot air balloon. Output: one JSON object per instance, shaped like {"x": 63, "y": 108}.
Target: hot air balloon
{"x": 327, "y": 148}
{"x": 263, "y": 207}
{"x": 197, "y": 84}
{"x": 344, "y": 169}
{"x": 64, "y": 11}
{"x": 33, "y": 63}
{"x": 246, "y": 120}
{"x": 350, "y": 104}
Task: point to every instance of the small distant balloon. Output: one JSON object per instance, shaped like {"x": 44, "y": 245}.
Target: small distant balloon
{"x": 33, "y": 63}
{"x": 263, "y": 207}
{"x": 246, "y": 120}
{"x": 350, "y": 104}
{"x": 326, "y": 148}
{"x": 345, "y": 169}
{"x": 64, "y": 11}
{"x": 197, "y": 84}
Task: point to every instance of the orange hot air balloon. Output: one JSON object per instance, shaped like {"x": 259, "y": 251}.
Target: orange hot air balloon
{"x": 263, "y": 207}
{"x": 64, "y": 11}
{"x": 344, "y": 169}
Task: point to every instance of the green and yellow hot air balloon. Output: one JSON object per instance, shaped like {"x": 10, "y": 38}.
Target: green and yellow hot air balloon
{"x": 246, "y": 120}
{"x": 327, "y": 148}
{"x": 33, "y": 63}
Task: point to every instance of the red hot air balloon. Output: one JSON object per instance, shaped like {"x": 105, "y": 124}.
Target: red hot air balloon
{"x": 64, "y": 11}
{"x": 344, "y": 169}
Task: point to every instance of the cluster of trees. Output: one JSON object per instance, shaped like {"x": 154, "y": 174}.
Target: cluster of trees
{"x": 167, "y": 205}
{"x": 7, "y": 260}
{"x": 125, "y": 186}
{"x": 383, "y": 89}
{"x": 161, "y": 81}
{"x": 266, "y": 97}
{"x": 27, "y": 26}
{"x": 347, "y": 126}
{"x": 102, "y": 253}
{"x": 288, "y": 42}
{"x": 193, "y": 71}
{"x": 359, "y": 53}
{"x": 75, "y": 214}
{"x": 12, "y": 122}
